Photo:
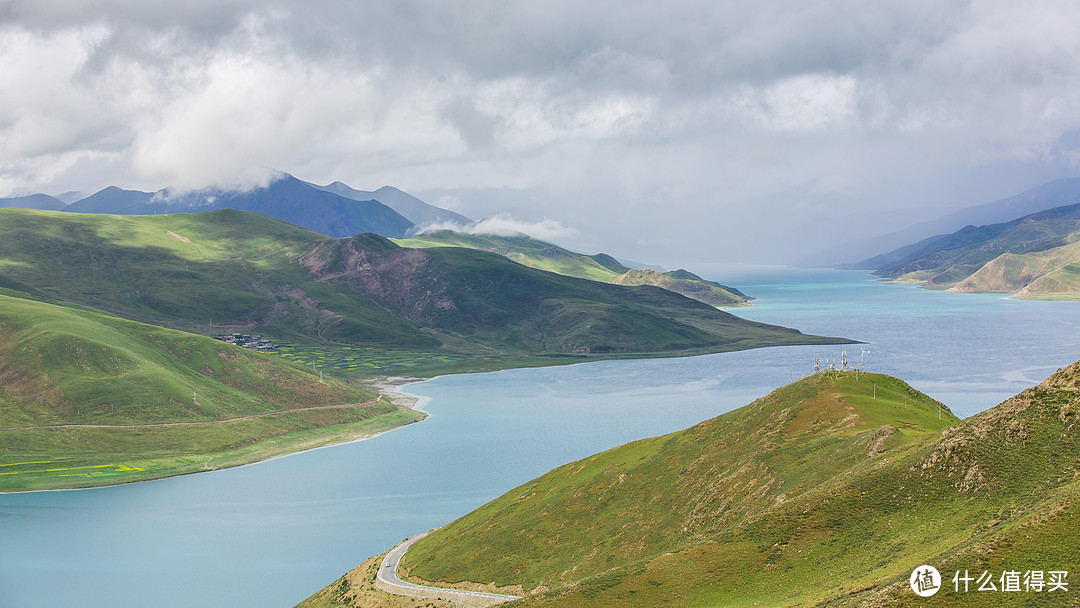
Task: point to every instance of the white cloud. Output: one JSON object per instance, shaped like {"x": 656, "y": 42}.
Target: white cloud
{"x": 620, "y": 119}
{"x": 505, "y": 225}
{"x": 50, "y": 121}
{"x": 807, "y": 102}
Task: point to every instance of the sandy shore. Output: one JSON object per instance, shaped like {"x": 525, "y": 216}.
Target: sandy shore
{"x": 389, "y": 385}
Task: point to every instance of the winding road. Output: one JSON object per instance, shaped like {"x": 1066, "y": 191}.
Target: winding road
{"x": 387, "y": 580}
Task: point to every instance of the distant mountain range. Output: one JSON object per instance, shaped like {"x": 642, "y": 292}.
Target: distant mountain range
{"x": 1034, "y": 256}
{"x": 1058, "y": 193}
{"x": 338, "y": 210}
{"x": 417, "y": 211}
{"x": 335, "y": 210}
{"x": 33, "y": 201}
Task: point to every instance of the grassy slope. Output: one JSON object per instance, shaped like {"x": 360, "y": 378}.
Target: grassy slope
{"x": 1062, "y": 283}
{"x": 523, "y": 250}
{"x": 534, "y": 253}
{"x": 182, "y": 270}
{"x": 779, "y": 504}
{"x": 247, "y": 271}
{"x": 1006, "y": 257}
{"x": 1054, "y": 273}
{"x": 64, "y": 365}
{"x": 539, "y": 311}
{"x": 697, "y": 288}
{"x": 660, "y": 494}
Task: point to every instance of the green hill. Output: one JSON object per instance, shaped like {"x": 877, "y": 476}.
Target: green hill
{"x": 1054, "y": 273}
{"x": 1032, "y": 256}
{"x": 534, "y": 253}
{"x": 685, "y": 283}
{"x": 237, "y": 271}
{"x": 86, "y": 360}
{"x": 828, "y": 491}
{"x": 88, "y": 399}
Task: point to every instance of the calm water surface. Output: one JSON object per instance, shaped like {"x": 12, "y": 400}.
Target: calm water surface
{"x": 273, "y": 533}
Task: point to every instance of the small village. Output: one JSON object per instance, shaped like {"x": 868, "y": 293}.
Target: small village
{"x": 250, "y": 341}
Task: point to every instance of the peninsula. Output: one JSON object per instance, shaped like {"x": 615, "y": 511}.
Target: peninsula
{"x": 830, "y": 490}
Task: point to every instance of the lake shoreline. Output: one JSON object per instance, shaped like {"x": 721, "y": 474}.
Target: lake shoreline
{"x": 387, "y": 387}
{"x": 272, "y": 534}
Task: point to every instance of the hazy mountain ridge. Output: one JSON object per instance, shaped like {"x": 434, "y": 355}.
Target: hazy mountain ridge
{"x": 828, "y": 491}
{"x": 1057, "y": 193}
{"x": 113, "y": 199}
{"x": 697, "y": 288}
{"x": 335, "y": 210}
{"x": 1030, "y": 256}
{"x": 33, "y": 201}
{"x": 415, "y": 210}
{"x": 285, "y": 198}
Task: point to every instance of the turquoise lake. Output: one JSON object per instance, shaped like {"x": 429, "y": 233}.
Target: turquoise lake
{"x": 272, "y": 533}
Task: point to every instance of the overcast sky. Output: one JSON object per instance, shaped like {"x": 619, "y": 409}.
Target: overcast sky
{"x": 679, "y": 132}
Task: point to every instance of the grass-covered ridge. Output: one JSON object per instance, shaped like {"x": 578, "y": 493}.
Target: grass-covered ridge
{"x": 230, "y": 270}
{"x": 1034, "y": 257}
{"x": 88, "y": 398}
{"x": 535, "y": 253}
{"x": 1050, "y": 274}
{"x": 819, "y": 494}
{"x": 524, "y": 250}
{"x": 663, "y": 493}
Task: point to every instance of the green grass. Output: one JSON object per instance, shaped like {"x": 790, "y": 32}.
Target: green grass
{"x": 784, "y": 502}
{"x": 538, "y": 254}
{"x": 363, "y": 361}
{"x": 228, "y": 270}
{"x": 1049, "y": 274}
{"x": 67, "y": 365}
{"x": 524, "y": 250}
{"x": 81, "y": 458}
{"x": 659, "y": 494}
{"x": 232, "y": 269}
